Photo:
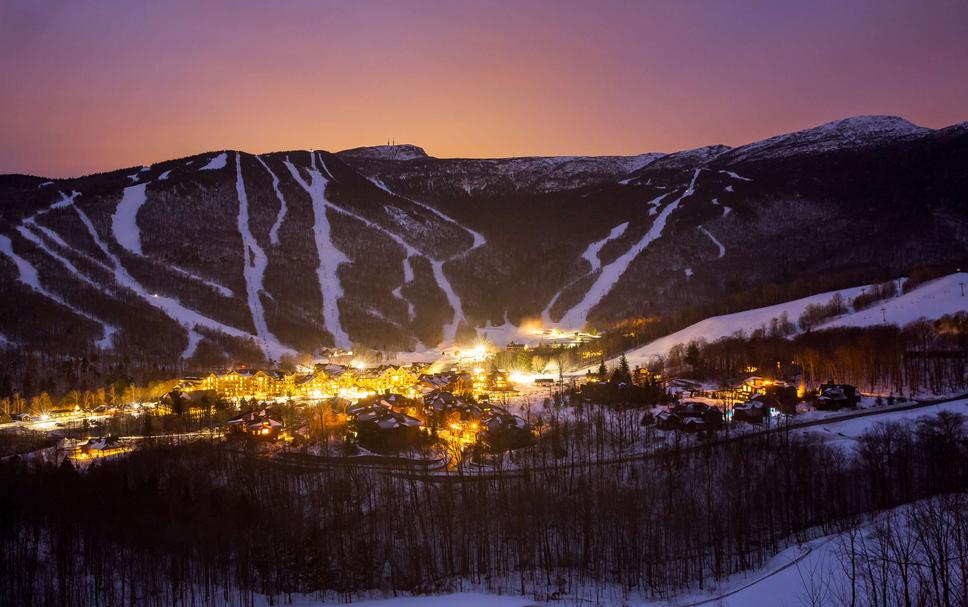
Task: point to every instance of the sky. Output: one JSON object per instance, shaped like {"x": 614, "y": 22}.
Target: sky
{"x": 99, "y": 85}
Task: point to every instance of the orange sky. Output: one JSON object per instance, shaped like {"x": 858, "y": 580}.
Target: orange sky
{"x": 100, "y": 85}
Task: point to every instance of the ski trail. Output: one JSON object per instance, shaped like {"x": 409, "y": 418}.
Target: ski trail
{"x": 28, "y": 275}
{"x": 124, "y": 226}
{"x": 726, "y": 210}
{"x": 611, "y": 273}
{"x": 283, "y": 208}
{"x": 194, "y": 338}
{"x": 437, "y": 265}
{"x": 68, "y": 265}
{"x": 409, "y": 250}
{"x": 254, "y": 263}
{"x": 735, "y": 176}
{"x": 591, "y": 253}
{"x": 217, "y": 162}
{"x": 124, "y": 222}
{"x": 330, "y": 257}
{"x": 719, "y": 245}
{"x": 188, "y": 318}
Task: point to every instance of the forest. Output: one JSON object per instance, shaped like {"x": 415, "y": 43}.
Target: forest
{"x": 205, "y": 524}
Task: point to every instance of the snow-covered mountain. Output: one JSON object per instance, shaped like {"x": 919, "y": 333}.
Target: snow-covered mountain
{"x": 238, "y": 254}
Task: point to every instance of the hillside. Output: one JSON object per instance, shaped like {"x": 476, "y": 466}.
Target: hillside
{"x": 930, "y": 301}
{"x": 233, "y": 255}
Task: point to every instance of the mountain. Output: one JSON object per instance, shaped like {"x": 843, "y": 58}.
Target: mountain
{"x": 229, "y": 254}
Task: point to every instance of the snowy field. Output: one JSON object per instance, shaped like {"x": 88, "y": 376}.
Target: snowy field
{"x": 930, "y": 300}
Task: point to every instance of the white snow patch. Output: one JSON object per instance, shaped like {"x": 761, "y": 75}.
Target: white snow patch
{"x": 716, "y": 327}
{"x": 735, "y": 176}
{"x": 719, "y": 245}
{"x": 254, "y": 264}
{"x": 164, "y": 175}
{"x": 590, "y": 254}
{"x": 124, "y": 222}
{"x": 283, "y": 208}
{"x": 169, "y": 305}
{"x": 729, "y": 188}
{"x": 45, "y": 184}
{"x": 688, "y": 272}
{"x": 330, "y": 258}
{"x": 610, "y": 274}
{"x": 217, "y": 162}
{"x": 931, "y": 300}
{"x": 27, "y": 274}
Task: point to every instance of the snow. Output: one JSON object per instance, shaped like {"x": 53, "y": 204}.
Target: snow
{"x": 735, "y": 176}
{"x": 591, "y": 253}
{"x": 846, "y": 433}
{"x": 169, "y": 305}
{"x": 44, "y": 184}
{"x": 39, "y": 243}
{"x": 716, "y": 327}
{"x": 164, "y": 175}
{"x": 254, "y": 263}
{"x": 931, "y": 300}
{"x": 330, "y": 258}
{"x": 387, "y": 152}
{"x": 283, "y": 208}
{"x": 437, "y": 265}
{"x": 124, "y": 222}
{"x": 610, "y": 274}
{"x": 688, "y": 272}
{"x": 28, "y": 275}
{"x": 217, "y": 162}
{"x": 719, "y": 245}
{"x": 856, "y": 132}
{"x": 729, "y": 188}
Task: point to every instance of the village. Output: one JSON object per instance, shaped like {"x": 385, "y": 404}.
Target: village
{"x": 464, "y": 413}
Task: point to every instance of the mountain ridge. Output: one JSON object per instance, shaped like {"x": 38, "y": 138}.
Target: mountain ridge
{"x": 423, "y": 251}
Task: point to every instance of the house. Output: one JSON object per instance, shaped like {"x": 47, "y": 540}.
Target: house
{"x": 377, "y": 427}
{"x": 832, "y": 396}
{"x": 458, "y": 383}
{"x": 711, "y": 417}
{"x": 256, "y": 423}
{"x": 501, "y": 431}
{"x": 667, "y": 421}
{"x": 101, "y": 447}
{"x": 753, "y": 411}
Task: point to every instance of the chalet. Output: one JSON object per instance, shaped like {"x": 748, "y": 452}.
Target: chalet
{"x": 457, "y": 383}
{"x": 667, "y": 421}
{"x": 711, "y": 417}
{"x": 100, "y": 447}
{"x": 832, "y": 396}
{"x": 545, "y": 382}
{"x": 379, "y": 428}
{"x": 256, "y": 423}
{"x": 501, "y": 431}
{"x": 752, "y": 412}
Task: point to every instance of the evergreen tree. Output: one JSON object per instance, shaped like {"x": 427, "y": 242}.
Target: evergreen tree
{"x": 602, "y": 371}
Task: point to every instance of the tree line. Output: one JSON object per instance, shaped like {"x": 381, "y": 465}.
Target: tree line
{"x": 204, "y": 524}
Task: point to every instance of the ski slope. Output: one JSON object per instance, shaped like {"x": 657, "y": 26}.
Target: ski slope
{"x": 124, "y": 222}
{"x": 719, "y": 245}
{"x": 930, "y": 300}
{"x": 217, "y": 162}
{"x": 254, "y": 262}
{"x": 716, "y": 327}
{"x": 330, "y": 258}
{"x": 611, "y": 273}
{"x": 590, "y": 254}
{"x": 283, "y": 208}
{"x": 28, "y": 275}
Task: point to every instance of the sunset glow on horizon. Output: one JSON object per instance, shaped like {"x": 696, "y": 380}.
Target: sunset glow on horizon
{"x": 102, "y": 85}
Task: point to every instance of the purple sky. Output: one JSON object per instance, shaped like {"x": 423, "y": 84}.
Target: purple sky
{"x": 94, "y": 85}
